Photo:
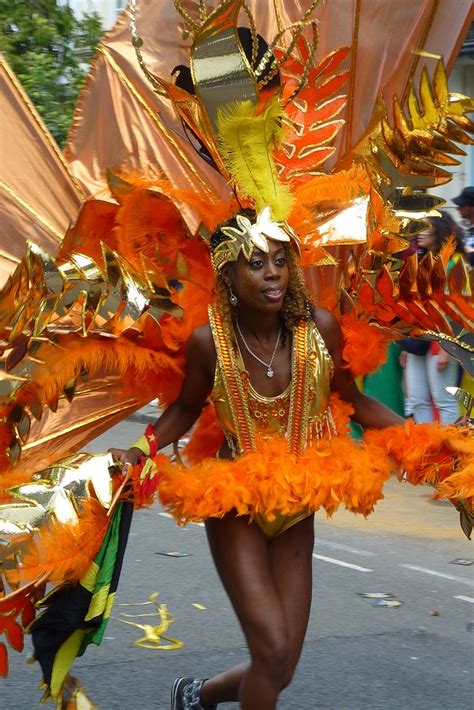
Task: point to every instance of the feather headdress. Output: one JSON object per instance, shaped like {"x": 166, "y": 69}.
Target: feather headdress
{"x": 247, "y": 140}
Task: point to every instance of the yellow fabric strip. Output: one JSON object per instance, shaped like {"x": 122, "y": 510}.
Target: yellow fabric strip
{"x": 64, "y": 659}
{"x": 98, "y": 603}
{"x": 89, "y": 579}
{"x": 109, "y": 605}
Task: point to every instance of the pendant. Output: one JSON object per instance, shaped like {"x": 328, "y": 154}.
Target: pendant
{"x": 269, "y": 372}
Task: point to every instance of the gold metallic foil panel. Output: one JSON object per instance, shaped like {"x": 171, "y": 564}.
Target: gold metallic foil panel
{"x": 220, "y": 69}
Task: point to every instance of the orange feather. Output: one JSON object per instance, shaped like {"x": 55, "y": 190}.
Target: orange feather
{"x": 365, "y": 345}
{"x": 64, "y": 552}
{"x": 207, "y": 437}
{"x": 272, "y": 480}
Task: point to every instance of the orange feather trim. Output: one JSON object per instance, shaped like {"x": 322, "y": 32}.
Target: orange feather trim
{"x": 431, "y": 453}
{"x": 64, "y": 552}
{"x": 206, "y": 439}
{"x": 149, "y": 224}
{"x": 272, "y": 480}
{"x": 333, "y": 472}
{"x": 459, "y": 485}
{"x": 120, "y": 357}
{"x": 211, "y": 210}
{"x": 341, "y": 187}
{"x": 93, "y": 227}
{"x": 161, "y": 373}
{"x": 330, "y": 473}
{"x": 365, "y": 345}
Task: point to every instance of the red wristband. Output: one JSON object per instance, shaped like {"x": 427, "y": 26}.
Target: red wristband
{"x": 151, "y": 437}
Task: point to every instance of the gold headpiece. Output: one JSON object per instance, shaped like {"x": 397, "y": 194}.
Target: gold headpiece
{"x": 239, "y": 127}
{"x": 248, "y": 236}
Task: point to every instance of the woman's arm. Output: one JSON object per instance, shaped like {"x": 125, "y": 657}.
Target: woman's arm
{"x": 367, "y": 411}
{"x": 179, "y": 417}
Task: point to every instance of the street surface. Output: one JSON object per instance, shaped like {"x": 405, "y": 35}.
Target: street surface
{"x": 357, "y": 656}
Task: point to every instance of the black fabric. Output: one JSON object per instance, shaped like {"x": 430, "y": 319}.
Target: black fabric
{"x": 414, "y": 346}
{"x": 68, "y": 605}
{"x": 66, "y": 610}
{"x": 125, "y": 523}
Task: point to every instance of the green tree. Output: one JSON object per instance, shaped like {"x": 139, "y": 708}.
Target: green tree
{"x": 49, "y": 49}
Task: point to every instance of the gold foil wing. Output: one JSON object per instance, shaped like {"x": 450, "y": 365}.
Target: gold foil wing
{"x": 400, "y": 161}
{"x": 421, "y": 300}
{"x": 417, "y": 151}
{"x": 73, "y": 337}
{"x": 50, "y": 507}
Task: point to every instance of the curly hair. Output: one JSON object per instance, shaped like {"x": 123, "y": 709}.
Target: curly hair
{"x": 444, "y": 227}
{"x": 297, "y": 303}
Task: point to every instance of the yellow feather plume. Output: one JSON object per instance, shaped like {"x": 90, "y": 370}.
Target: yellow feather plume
{"x": 247, "y": 140}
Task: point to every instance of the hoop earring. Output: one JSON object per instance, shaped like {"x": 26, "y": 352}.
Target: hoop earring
{"x": 232, "y": 297}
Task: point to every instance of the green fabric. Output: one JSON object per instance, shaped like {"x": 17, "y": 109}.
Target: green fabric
{"x": 105, "y": 564}
{"x": 385, "y": 384}
{"x": 356, "y": 432}
{"x": 76, "y": 614}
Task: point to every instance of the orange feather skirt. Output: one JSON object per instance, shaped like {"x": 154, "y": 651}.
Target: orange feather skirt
{"x": 332, "y": 471}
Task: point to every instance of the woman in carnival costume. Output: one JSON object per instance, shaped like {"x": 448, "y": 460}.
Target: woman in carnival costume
{"x": 268, "y": 375}
{"x": 269, "y": 361}
{"x": 271, "y": 364}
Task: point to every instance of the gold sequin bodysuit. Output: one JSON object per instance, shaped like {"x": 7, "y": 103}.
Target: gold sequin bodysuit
{"x": 301, "y": 413}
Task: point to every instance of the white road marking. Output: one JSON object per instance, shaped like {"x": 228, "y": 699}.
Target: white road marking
{"x": 201, "y": 525}
{"x": 464, "y": 599}
{"x": 341, "y": 563}
{"x": 346, "y": 548}
{"x": 453, "y": 577}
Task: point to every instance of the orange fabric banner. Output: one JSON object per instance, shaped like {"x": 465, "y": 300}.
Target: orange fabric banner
{"x": 38, "y": 194}
{"x": 121, "y": 123}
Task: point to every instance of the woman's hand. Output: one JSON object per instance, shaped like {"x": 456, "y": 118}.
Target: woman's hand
{"x": 465, "y": 421}
{"x": 127, "y": 456}
{"x": 442, "y": 360}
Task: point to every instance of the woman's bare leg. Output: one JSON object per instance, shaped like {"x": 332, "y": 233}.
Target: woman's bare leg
{"x": 269, "y": 585}
{"x": 291, "y": 562}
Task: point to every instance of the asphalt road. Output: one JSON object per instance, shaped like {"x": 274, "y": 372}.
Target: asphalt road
{"x": 358, "y": 656}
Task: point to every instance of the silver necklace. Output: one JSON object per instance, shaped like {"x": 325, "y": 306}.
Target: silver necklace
{"x": 265, "y": 364}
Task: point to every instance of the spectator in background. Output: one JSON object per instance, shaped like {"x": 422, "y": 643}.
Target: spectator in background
{"x": 428, "y": 368}
{"x": 465, "y": 205}
{"x": 439, "y": 231}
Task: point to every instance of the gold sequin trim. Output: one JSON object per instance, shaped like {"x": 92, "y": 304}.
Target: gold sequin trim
{"x": 238, "y": 402}
{"x": 298, "y": 418}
